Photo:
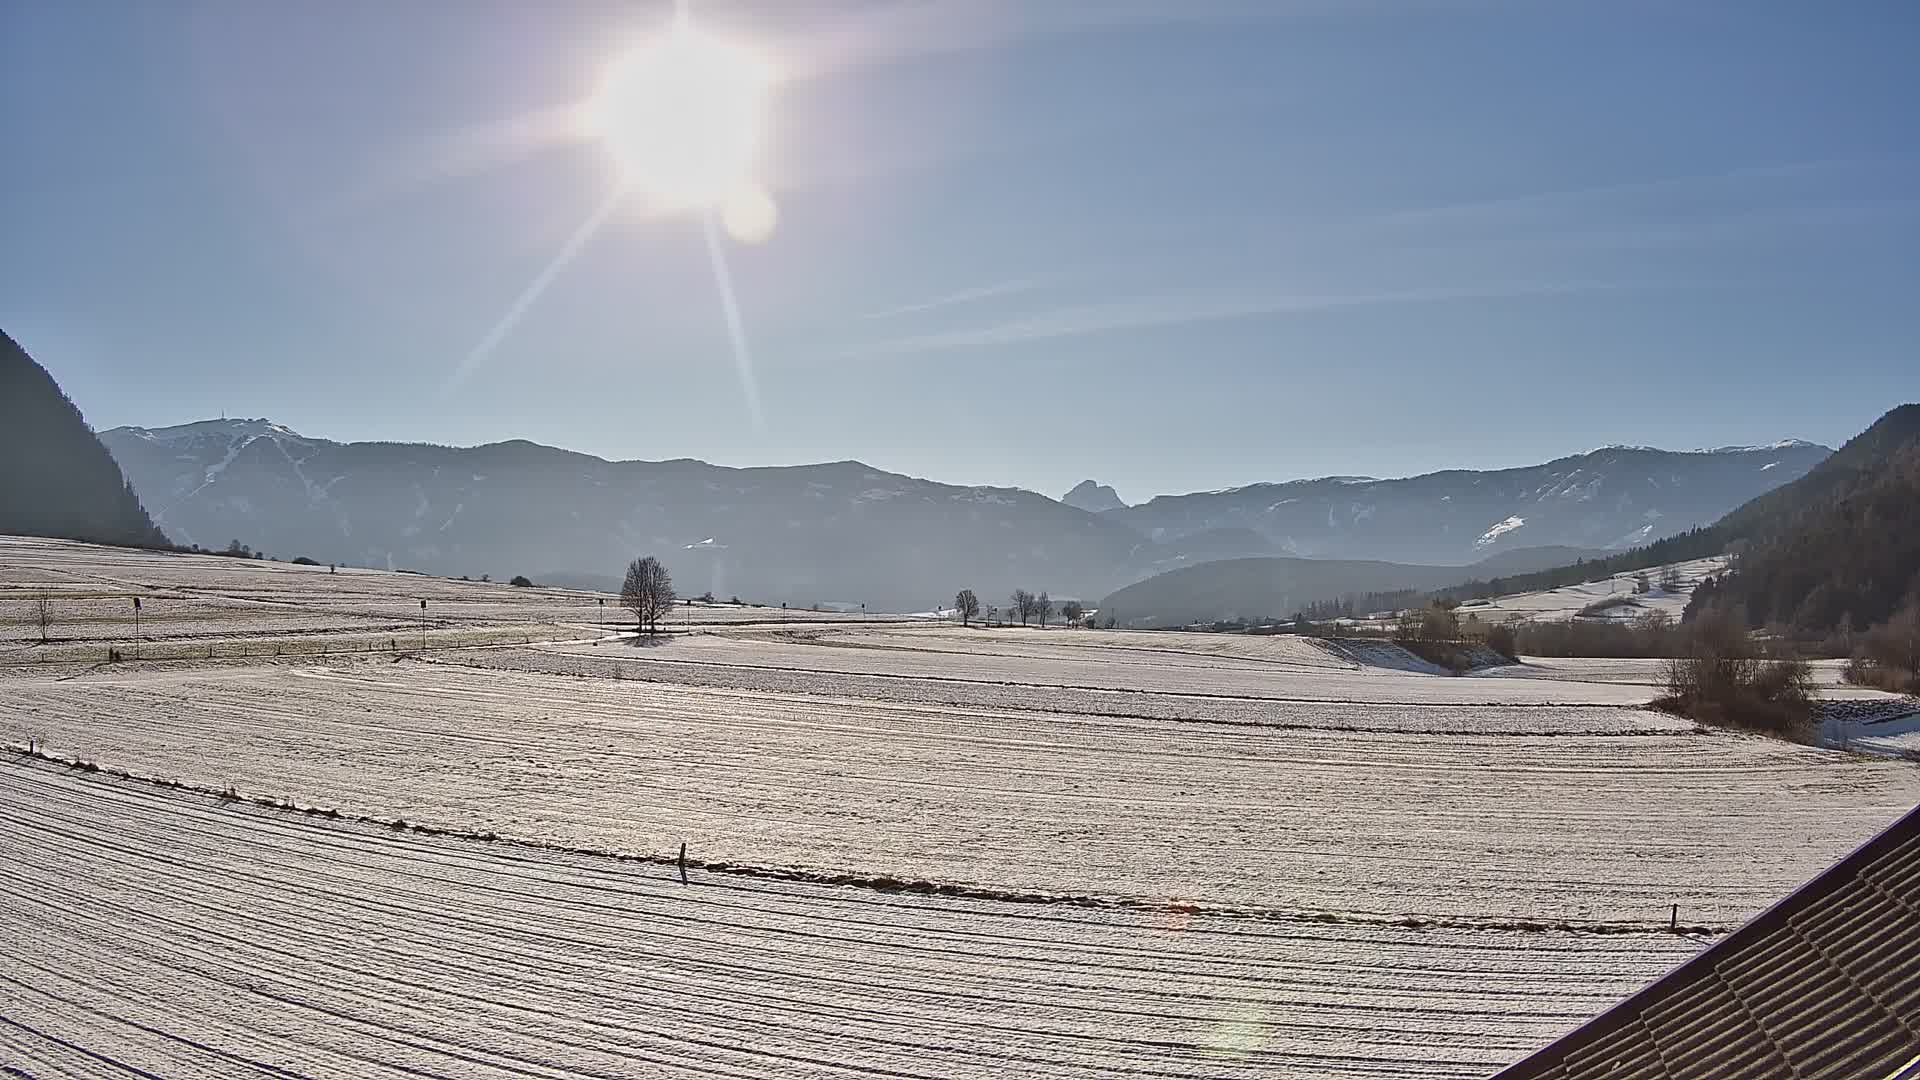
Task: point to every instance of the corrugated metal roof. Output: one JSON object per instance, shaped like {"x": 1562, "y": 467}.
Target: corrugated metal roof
{"x": 1826, "y": 983}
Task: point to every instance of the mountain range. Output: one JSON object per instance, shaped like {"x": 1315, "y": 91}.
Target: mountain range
{"x": 841, "y": 532}
{"x": 1612, "y": 498}
{"x": 846, "y": 532}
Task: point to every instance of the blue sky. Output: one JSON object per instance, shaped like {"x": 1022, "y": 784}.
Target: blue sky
{"x": 1166, "y": 245}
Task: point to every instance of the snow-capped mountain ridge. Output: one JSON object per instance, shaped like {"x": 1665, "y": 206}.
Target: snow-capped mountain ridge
{"x": 233, "y": 429}
{"x": 1780, "y": 444}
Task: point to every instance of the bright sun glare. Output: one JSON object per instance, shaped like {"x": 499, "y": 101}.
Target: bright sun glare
{"x": 683, "y": 115}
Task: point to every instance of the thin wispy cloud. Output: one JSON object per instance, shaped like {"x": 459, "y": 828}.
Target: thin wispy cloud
{"x": 1840, "y": 223}
{"x": 1181, "y": 310}
{"x": 958, "y": 298}
{"x": 1753, "y": 180}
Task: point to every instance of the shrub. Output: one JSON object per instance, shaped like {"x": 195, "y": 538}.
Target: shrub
{"x": 1651, "y": 635}
{"x": 1606, "y": 604}
{"x": 1434, "y": 623}
{"x": 521, "y": 581}
{"x": 1724, "y": 682}
{"x": 1863, "y": 670}
{"x": 1447, "y": 654}
{"x": 1890, "y": 652}
{"x": 1859, "y": 670}
{"x": 1503, "y": 639}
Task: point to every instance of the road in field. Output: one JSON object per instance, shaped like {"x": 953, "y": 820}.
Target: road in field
{"x": 1304, "y": 673}
{"x": 1320, "y": 816}
{"x": 1195, "y": 704}
{"x": 158, "y": 933}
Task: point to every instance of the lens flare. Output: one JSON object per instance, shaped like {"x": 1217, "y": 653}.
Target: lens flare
{"x": 683, "y": 116}
{"x": 749, "y": 214}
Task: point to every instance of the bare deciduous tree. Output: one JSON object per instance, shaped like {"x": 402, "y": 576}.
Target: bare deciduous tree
{"x": 1895, "y": 645}
{"x": 43, "y": 613}
{"x": 1432, "y": 623}
{"x": 966, "y": 605}
{"x": 1042, "y": 608}
{"x": 1021, "y": 605}
{"x": 647, "y": 592}
{"x": 1073, "y": 612}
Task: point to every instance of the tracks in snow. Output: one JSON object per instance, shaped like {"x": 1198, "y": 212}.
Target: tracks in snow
{"x": 169, "y": 933}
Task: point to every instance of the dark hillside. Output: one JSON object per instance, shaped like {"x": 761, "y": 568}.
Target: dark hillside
{"x": 1856, "y": 488}
{"x": 55, "y": 477}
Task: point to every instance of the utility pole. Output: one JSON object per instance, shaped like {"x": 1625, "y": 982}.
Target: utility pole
{"x": 423, "y": 624}
{"x": 136, "y": 628}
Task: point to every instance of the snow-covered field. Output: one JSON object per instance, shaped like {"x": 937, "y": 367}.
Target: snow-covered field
{"x": 974, "y": 852}
{"x": 1878, "y": 727}
{"x": 192, "y": 605}
{"x": 1551, "y": 814}
{"x": 1568, "y": 601}
{"x": 151, "y": 932}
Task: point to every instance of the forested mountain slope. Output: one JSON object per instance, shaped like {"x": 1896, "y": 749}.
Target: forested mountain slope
{"x": 56, "y": 479}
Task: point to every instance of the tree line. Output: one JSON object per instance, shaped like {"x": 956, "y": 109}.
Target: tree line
{"x": 1024, "y": 605}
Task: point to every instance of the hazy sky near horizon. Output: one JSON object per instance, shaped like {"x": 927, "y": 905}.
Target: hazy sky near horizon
{"x": 1167, "y": 245}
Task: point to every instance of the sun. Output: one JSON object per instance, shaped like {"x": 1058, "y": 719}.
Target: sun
{"x": 683, "y": 116}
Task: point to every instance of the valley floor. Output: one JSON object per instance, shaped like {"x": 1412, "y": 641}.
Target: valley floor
{"x": 159, "y": 933}
{"x": 917, "y": 850}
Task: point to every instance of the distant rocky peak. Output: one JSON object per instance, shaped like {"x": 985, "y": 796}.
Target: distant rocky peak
{"x": 1094, "y": 498}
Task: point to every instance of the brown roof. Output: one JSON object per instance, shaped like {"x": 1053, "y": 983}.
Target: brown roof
{"x": 1826, "y": 983}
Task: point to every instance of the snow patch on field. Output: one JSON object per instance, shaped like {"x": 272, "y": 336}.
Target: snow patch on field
{"x": 1888, "y": 725}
